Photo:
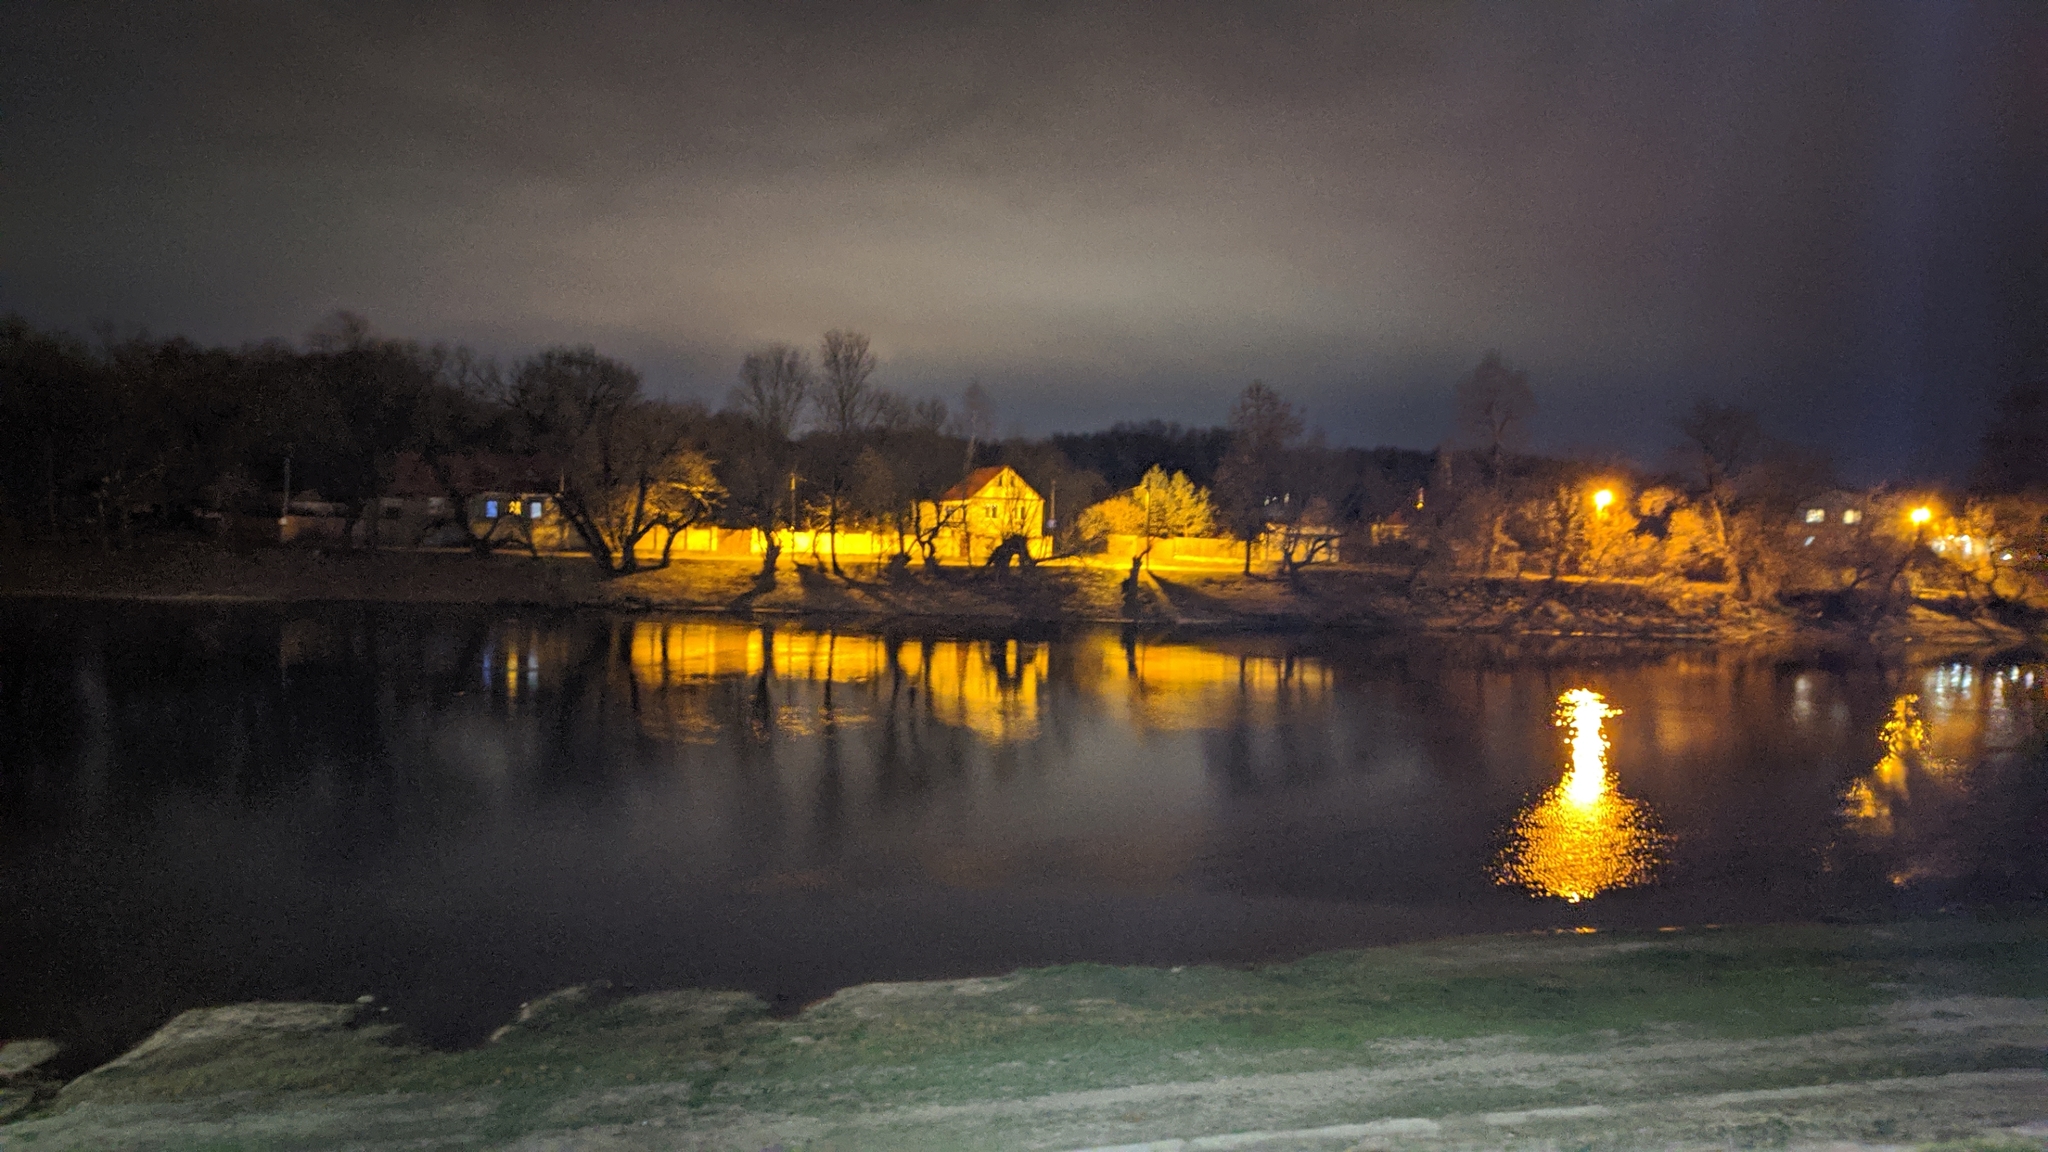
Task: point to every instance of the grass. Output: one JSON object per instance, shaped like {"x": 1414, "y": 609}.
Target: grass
{"x": 598, "y": 1059}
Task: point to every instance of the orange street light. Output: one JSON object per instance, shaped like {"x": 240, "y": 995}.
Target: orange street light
{"x": 1602, "y": 499}
{"x": 1920, "y": 515}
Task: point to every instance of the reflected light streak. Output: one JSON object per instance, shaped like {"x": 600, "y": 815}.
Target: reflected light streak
{"x": 1185, "y": 687}
{"x": 1868, "y": 801}
{"x": 1583, "y": 837}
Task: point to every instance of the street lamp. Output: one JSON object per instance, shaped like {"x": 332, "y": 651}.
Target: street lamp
{"x": 1921, "y": 515}
{"x": 1602, "y": 499}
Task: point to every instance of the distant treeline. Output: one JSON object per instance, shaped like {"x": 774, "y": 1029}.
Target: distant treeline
{"x": 104, "y": 440}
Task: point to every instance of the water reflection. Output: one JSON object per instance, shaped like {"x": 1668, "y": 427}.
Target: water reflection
{"x": 1184, "y": 687}
{"x": 994, "y": 689}
{"x": 1583, "y": 837}
{"x": 1912, "y": 797}
{"x": 212, "y": 804}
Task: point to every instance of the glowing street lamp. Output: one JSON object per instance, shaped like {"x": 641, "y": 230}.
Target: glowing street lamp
{"x": 1920, "y": 515}
{"x": 1602, "y": 499}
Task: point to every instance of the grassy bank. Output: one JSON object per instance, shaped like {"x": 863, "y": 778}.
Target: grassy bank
{"x": 1357, "y": 597}
{"x": 1889, "y": 1036}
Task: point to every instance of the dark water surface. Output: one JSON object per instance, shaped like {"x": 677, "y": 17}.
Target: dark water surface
{"x": 455, "y": 810}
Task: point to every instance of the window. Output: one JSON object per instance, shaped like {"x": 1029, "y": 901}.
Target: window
{"x": 1816, "y": 515}
{"x": 1851, "y": 515}
{"x": 533, "y": 509}
{"x": 490, "y": 509}
{"x": 515, "y": 507}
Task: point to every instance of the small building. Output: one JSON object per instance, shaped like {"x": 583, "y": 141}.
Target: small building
{"x": 501, "y": 497}
{"x": 979, "y": 513}
{"x": 1830, "y": 518}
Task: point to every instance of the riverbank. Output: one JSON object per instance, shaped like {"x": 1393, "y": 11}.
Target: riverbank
{"x": 1890, "y": 1036}
{"x": 1360, "y": 598}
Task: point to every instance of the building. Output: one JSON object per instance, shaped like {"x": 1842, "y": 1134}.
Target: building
{"x": 1831, "y": 518}
{"x": 503, "y": 498}
{"x": 979, "y": 513}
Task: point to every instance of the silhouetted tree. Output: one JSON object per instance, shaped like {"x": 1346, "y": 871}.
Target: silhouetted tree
{"x": 1263, "y": 430}
{"x": 774, "y": 381}
{"x": 627, "y": 464}
{"x": 1493, "y": 407}
{"x": 847, "y": 403}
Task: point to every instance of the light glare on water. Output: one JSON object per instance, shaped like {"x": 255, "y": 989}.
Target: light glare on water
{"x": 1583, "y": 837}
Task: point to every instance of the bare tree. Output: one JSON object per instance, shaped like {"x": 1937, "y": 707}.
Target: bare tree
{"x": 774, "y": 381}
{"x": 845, "y": 400}
{"x": 626, "y": 464}
{"x": 633, "y": 473}
{"x": 1263, "y": 429}
{"x": 1723, "y": 441}
{"x": 1493, "y": 407}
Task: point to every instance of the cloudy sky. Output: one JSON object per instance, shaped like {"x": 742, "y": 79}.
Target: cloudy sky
{"x": 1102, "y": 211}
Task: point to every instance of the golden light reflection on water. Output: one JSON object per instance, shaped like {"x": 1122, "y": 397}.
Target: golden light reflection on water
{"x": 1184, "y": 687}
{"x": 988, "y": 687}
{"x": 993, "y": 688}
{"x": 1868, "y": 802}
{"x": 1583, "y": 837}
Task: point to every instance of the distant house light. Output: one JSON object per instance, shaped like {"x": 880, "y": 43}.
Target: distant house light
{"x": 1809, "y": 542}
{"x": 490, "y": 509}
{"x": 1851, "y": 515}
{"x": 515, "y": 507}
{"x": 1816, "y": 515}
{"x": 533, "y": 509}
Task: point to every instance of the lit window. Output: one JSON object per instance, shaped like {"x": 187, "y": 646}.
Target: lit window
{"x": 1816, "y": 515}
{"x": 533, "y": 509}
{"x": 1851, "y": 515}
{"x": 490, "y": 509}
{"x": 515, "y": 507}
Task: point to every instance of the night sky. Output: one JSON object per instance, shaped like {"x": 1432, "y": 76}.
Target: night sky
{"x": 1102, "y": 211}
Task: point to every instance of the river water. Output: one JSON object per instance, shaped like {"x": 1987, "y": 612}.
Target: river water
{"x": 454, "y": 810}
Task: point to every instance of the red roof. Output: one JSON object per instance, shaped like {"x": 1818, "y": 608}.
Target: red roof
{"x": 976, "y": 480}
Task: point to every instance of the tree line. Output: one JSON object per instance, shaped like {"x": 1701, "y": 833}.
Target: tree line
{"x": 100, "y": 441}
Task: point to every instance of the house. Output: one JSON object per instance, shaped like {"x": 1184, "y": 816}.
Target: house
{"x": 504, "y": 498}
{"x": 1831, "y": 518}
{"x": 979, "y": 513}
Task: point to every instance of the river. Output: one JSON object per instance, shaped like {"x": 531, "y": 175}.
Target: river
{"x": 454, "y": 810}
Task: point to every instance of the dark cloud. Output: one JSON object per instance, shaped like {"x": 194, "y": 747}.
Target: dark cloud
{"x": 1101, "y": 211}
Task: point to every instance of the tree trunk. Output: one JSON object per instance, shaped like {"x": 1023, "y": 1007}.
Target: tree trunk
{"x": 832, "y": 525}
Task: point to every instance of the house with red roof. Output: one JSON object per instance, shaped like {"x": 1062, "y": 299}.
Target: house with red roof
{"x": 988, "y": 507}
